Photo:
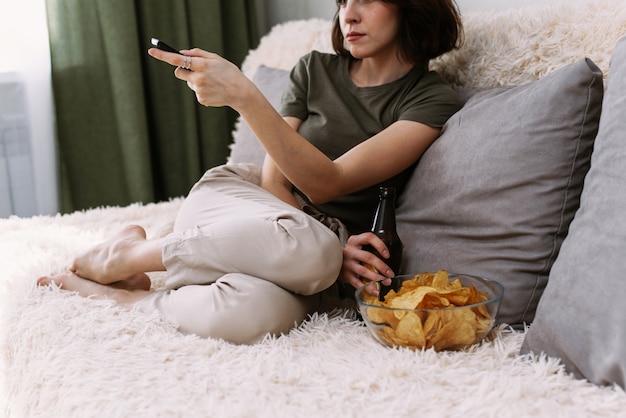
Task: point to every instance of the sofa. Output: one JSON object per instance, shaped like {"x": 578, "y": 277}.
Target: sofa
{"x": 496, "y": 194}
{"x": 526, "y": 186}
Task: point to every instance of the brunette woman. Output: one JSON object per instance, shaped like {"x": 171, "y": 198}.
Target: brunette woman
{"x": 248, "y": 255}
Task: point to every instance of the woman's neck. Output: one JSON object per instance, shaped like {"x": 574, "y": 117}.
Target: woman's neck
{"x": 369, "y": 72}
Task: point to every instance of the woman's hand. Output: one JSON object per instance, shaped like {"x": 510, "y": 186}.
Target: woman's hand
{"x": 354, "y": 270}
{"x": 215, "y": 81}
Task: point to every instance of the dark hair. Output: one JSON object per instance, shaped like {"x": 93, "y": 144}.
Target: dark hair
{"x": 428, "y": 28}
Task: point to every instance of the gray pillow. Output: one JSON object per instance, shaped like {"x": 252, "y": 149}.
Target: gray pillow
{"x": 581, "y": 315}
{"x": 272, "y": 82}
{"x": 495, "y": 194}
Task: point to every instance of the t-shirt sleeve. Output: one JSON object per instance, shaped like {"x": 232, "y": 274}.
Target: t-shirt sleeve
{"x": 294, "y": 99}
{"x": 433, "y": 103}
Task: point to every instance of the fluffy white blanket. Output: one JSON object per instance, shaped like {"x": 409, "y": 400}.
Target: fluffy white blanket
{"x": 64, "y": 355}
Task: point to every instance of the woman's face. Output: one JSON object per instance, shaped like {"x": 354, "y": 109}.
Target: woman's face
{"x": 369, "y": 27}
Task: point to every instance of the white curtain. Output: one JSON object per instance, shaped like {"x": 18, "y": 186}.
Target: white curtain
{"x": 24, "y": 55}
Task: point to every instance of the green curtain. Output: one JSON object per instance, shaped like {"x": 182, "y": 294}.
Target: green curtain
{"x": 128, "y": 130}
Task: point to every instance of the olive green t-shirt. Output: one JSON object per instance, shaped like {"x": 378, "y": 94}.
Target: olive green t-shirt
{"x": 338, "y": 115}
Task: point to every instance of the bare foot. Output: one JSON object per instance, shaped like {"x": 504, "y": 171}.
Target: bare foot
{"x": 87, "y": 288}
{"x": 121, "y": 257}
{"x": 139, "y": 281}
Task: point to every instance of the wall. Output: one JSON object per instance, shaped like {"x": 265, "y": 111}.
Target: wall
{"x": 24, "y": 53}
{"x": 272, "y": 12}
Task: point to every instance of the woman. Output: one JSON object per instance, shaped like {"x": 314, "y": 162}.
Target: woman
{"x": 244, "y": 258}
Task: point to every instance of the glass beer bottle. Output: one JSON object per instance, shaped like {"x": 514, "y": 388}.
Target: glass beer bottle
{"x": 384, "y": 226}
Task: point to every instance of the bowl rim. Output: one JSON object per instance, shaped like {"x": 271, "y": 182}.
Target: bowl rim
{"x": 496, "y": 298}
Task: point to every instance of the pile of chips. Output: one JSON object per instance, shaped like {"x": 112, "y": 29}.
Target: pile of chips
{"x": 441, "y": 329}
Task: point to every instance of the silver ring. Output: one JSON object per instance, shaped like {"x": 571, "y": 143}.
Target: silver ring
{"x": 187, "y": 63}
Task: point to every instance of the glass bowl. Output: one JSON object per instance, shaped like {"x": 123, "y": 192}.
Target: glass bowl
{"x": 454, "y": 327}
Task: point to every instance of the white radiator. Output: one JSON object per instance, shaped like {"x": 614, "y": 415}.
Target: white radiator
{"x": 17, "y": 187}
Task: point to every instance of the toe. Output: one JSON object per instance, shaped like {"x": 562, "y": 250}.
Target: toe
{"x": 44, "y": 281}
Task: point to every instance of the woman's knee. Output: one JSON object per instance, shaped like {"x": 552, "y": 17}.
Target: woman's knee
{"x": 237, "y": 308}
{"x": 313, "y": 263}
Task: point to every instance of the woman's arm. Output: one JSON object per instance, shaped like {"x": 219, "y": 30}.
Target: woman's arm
{"x": 218, "y": 82}
{"x": 273, "y": 180}
{"x": 321, "y": 179}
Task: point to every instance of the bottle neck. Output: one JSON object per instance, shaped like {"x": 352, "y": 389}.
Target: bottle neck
{"x": 385, "y": 217}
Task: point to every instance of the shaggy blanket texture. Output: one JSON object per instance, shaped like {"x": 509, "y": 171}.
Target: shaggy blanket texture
{"x": 64, "y": 355}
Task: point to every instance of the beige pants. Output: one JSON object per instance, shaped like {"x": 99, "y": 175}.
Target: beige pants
{"x": 241, "y": 263}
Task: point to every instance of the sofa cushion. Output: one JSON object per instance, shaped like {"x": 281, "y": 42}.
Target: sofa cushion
{"x": 580, "y": 317}
{"x": 245, "y": 148}
{"x": 495, "y": 194}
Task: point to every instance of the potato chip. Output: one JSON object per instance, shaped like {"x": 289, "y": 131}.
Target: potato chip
{"x": 424, "y": 279}
{"x": 410, "y": 329}
{"x": 389, "y": 334}
{"x": 369, "y": 299}
{"x": 458, "y": 297}
{"x": 476, "y": 296}
{"x": 371, "y": 267}
{"x": 382, "y": 316}
{"x": 434, "y": 300}
{"x": 441, "y": 280}
{"x": 456, "y": 329}
{"x": 410, "y": 300}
